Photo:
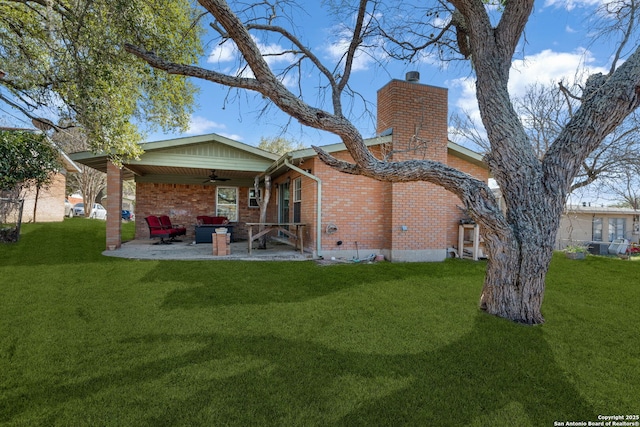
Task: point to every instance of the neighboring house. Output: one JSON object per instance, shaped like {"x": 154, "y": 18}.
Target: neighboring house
{"x": 75, "y": 198}
{"x": 50, "y": 198}
{"x": 345, "y": 215}
{"x": 584, "y": 224}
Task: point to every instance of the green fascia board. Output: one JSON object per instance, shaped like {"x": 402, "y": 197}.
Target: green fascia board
{"x": 455, "y": 149}
{"x": 466, "y": 154}
{"x": 306, "y": 153}
{"x": 458, "y": 150}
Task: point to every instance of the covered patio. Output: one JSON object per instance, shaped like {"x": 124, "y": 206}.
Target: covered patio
{"x": 183, "y": 178}
{"x": 144, "y": 249}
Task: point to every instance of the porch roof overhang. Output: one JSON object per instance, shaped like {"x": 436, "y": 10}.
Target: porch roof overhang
{"x": 466, "y": 154}
{"x": 189, "y": 160}
{"x": 600, "y": 210}
{"x": 69, "y": 165}
{"x": 295, "y": 157}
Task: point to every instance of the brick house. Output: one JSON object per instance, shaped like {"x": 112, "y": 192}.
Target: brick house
{"x": 404, "y": 221}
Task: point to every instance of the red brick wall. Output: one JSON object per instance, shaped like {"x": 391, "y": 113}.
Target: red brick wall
{"x": 183, "y": 203}
{"x": 358, "y": 206}
{"x": 453, "y": 202}
{"x": 418, "y": 115}
{"x": 114, "y": 206}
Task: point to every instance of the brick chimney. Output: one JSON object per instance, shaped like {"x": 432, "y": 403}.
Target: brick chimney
{"x": 417, "y": 113}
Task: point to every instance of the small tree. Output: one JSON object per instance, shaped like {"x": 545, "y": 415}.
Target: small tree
{"x": 27, "y": 159}
{"x": 279, "y": 145}
{"x": 89, "y": 182}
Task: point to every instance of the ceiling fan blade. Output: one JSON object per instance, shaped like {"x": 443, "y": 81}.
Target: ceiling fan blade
{"x": 215, "y": 178}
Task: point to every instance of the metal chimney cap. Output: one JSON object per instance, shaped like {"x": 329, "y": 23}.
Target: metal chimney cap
{"x": 412, "y": 76}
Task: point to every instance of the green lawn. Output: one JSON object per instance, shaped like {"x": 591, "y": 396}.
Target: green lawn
{"x": 93, "y": 340}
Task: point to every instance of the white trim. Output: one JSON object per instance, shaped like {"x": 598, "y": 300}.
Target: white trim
{"x": 255, "y": 197}
{"x": 236, "y": 206}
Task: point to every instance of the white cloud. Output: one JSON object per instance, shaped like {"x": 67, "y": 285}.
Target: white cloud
{"x": 273, "y": 55}
{"x": 199, "y": 125}
{"x": 337, "y": 50}
{"x": 544, "y": 67}
{"x": 339, "y": 38}
{"x": 223, "y": 52}
{"x": 549, "y": 66}
{"x": 572, "y": 4}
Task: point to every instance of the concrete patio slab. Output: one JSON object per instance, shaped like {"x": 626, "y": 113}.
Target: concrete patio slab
{"x": 145, "y": 249}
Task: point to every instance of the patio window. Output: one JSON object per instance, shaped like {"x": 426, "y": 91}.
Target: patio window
{"x": 297, "y": 199}
{"x": 227, "y": 202}
{"x": 616, "y": 228}
{"x": 253, "y": 198}
{"x": 597, "y": 229}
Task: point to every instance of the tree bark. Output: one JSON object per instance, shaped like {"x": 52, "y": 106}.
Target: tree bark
{"x": 515, "y": 278}
{"x": 263, "y": 202}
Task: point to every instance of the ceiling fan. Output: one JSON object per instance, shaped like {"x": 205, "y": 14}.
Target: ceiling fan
{"x": 215, "y": 178}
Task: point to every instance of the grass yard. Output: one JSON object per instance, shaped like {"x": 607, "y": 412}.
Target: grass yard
{"x": 93, "y": 340}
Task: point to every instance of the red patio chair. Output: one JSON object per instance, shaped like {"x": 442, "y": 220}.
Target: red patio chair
{"x": 157, "y": 230}
{"x": 179, "y": 230}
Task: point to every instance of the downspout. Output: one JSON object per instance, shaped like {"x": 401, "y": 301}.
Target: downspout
{"x": 318, "y": 205}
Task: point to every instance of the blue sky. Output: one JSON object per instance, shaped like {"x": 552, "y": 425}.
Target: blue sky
{"x": 557, "y": 43}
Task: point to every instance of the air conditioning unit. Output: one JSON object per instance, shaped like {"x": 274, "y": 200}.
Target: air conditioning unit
{"x": 599, "y": 248}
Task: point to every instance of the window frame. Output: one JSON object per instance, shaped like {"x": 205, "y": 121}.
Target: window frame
{"x": 297, "y": 189}
{"x": 234, "y": 207}
{"x": 254, "y": 198}
{"x": 613, "y": 224}
{"x": 594, "y": 229}
{"x": 297, "y": 199}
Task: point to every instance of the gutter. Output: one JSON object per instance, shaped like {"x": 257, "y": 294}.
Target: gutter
{"x": 318, "y": 205}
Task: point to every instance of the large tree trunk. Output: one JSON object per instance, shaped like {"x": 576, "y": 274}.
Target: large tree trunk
{"x": 515, "y": 281}
{"x": 519, "y": 253}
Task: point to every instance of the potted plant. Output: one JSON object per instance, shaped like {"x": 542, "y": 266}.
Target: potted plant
{"x": 576, "y": 251}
